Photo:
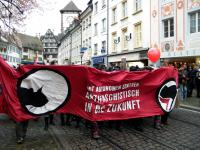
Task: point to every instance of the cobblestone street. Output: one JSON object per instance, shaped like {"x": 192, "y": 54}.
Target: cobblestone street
{"x": 36, "y": 139}
{"x": 182, "y": 133}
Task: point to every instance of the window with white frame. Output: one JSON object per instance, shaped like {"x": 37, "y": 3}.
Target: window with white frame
{"x": 114, "y": 46}
{"x": 95, "y": 49}
{"x": 96, "y": 7}
{"x": 168, "y": 27}
{"x": 124, "y": 41}
{"x": 138, "y": 35}
{"x": 90, "y": 20}
{"x": 83, "y": 25}
{"x": 103, "y": 3}
{"x": 86, "y": 24}
{"x": 103, "y": 48}
{"x": 89, "y": 42}
{"x": 95, "y": 29}
{"x": 86, "y": 43}
{"x": 103, "y": 24}
{"x": 137, "y": 5}
{"x": 114, "y": 15}
{"x": 124, "y": 9}
{"x": 194, "y": 22}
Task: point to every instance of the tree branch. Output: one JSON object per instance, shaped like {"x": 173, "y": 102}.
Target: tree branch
{"x": 15, "y": 5}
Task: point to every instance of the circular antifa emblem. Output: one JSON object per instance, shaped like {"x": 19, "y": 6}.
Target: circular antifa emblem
{"x": 167, "y": 95}
{"x": 41, "y": 91}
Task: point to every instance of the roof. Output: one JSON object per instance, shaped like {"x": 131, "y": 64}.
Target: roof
{"x": 70, "y": 7}
{"x": 48, "y": 34}
{"x": 31, "y": 42}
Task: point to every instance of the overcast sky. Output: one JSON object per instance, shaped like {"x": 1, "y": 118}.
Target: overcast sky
{"x": 48, "y": 18}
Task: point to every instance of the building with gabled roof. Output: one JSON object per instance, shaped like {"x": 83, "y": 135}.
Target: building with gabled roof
{"x": 31, "y": 48}
{"x": 68, "y": 14}
{"x": 50, "y": 44}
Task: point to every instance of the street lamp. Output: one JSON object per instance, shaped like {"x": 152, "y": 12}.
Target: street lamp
{"x": 116, "y": 40}
{"x": 81, "y": 53}
{"x": 128, "y": 37}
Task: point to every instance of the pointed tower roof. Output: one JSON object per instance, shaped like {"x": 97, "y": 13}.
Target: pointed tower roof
{"x": 70, "y": 7}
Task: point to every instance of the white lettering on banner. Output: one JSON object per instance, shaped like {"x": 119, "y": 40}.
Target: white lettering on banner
{"x": 128, "y": 105}
{"x": 112, "y": 88}
{"x": 107, "y": 94}
{"x": 112, "y": 97}
{"x": 88, "y": 107}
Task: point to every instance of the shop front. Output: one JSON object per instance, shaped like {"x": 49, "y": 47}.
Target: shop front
{"x": 99, "y": 61}
{"x": 125, "y": 60}
{"x": 188, "y": 64}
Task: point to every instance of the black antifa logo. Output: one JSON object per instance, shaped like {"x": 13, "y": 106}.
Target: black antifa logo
{"x": 41, "y": 91}
{"x": 166, "y": 95}
{"x": 36, "y": 99}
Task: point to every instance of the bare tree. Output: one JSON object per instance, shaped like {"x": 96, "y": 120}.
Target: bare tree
{"x": 13, "y": 13}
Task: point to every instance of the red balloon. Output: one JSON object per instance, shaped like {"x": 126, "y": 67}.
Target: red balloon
{"x": 153, "y": 54}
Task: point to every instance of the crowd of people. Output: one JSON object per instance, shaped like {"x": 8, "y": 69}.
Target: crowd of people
{"x": 66, "y": 119}
{"x": 189, "y": 78}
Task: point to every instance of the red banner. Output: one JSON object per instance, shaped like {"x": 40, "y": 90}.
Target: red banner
{"x": 35, "y": 90}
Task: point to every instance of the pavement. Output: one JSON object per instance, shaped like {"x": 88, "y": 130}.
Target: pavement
{"x": 182, "y": 133}
{"x": 36, "y": 139}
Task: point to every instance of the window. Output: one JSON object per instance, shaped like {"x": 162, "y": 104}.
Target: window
{"x": 86, "y": 25}
{"x": 138, "y": 5}
{"x": 168, "y": 28}
{"x": 124, "y": 41}
{"x": 103, "y": 3}
{"x": 96, "y": 7}
{"x": 86, "y": 43}
{"x": 89, "y": 42}
{"x": 90, "y": 20}
{"x": 25, "y": 50}
{"x": 195, "y": 22}
{"x": 124, "y": 9}
{"x": 95, "y": 29}
{"x": 114, "y": 46}
{"x": 138, "y": 35}
{"x": 114, "y": 15}
{"x": 104, "y": 25}
{"x": 95, "y": 49}
{"x": 103, "y": 49}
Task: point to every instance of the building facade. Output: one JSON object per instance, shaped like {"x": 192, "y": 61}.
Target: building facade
{"x": 176, "y": 24}
{"x": 64, "y": 47}
{"x": 10, "y": 52}
{"x": 70, "y": 44}
{"x": 86, "y": 35}
{"x": 129, "y": 33}
{"x": 31, "y": 49}
{"x": 99, "y": 32}
{"x": 76, "y": 43}
{"x": 50, "y": 45}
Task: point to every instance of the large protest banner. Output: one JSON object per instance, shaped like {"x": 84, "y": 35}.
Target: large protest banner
{"x": 35, "y": 90}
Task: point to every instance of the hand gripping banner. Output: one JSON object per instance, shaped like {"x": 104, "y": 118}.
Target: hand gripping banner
{"x": 35, "y": 90}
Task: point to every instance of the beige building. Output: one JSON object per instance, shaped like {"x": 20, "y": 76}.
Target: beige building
{"x": 129, "y": 32}
{"x": 175, "y": 30}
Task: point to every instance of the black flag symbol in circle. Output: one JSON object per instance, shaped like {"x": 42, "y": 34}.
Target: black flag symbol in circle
{"x": 166, "y": 95}
{"x": 41, "y": 91}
